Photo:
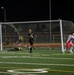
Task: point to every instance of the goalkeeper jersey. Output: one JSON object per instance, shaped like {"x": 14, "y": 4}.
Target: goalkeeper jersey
{"x": 70, "y": 39}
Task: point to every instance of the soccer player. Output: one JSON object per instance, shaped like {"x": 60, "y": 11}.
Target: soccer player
{"x": 31, "y": 39}
{"x": 69, "y": 43}
{"x": 20, "y": 40}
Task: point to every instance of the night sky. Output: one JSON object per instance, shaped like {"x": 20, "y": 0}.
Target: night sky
{"x": 35, "y": 10}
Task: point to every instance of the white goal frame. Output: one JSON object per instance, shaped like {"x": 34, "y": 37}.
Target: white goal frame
{"x": 61, "y": 31}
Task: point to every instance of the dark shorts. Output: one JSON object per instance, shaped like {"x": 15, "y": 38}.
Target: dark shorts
{"x": 31, "y": 41}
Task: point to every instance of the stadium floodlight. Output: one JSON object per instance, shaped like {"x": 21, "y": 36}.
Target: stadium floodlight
{"x": 4, "y": 9}
{"x": 50, "y": 17}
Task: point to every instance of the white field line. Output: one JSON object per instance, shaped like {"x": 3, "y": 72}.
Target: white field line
{"x": 36, "y": 57}
{"x": 36, "y": 64}
{"x": 35, "y": 73}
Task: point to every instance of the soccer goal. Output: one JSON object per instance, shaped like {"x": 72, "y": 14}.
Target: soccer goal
{"x": 50, "y": 33}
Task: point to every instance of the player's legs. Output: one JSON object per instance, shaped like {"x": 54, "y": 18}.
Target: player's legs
{"x": 67, "y": 46}
{"x": 31, "y": 45}
{"x": 31, "y": 48}
{"x": 71, "y": 48}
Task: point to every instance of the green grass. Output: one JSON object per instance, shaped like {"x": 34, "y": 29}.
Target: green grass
{"x": 42, "y": 59}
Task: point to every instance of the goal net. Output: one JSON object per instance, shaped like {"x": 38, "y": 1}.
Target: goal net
{"x": 50, "y": 33}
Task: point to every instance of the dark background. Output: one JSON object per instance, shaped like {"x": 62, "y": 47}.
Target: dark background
{"x": 31, "y": 10}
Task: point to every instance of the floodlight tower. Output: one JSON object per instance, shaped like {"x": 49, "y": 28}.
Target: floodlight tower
{"x": 4, "y": 10}
{"x": 50, "y": 18}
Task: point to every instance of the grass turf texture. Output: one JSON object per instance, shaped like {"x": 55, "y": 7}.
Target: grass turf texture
{"x": 50, "y": 60}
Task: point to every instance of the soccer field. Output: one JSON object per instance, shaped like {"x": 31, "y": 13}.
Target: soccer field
{"x": 41, "y": 62}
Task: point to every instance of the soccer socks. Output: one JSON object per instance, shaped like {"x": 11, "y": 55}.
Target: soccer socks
{"x": 71, "y": 49}
{"x": 30, "y": 50}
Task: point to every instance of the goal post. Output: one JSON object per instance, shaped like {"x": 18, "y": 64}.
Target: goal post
{"x": 53, "y": 36}
{"x": 61, "y": 33}
{"x": 1, "y": 47}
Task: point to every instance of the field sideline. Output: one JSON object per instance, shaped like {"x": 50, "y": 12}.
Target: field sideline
{"x": 41, "y": 62}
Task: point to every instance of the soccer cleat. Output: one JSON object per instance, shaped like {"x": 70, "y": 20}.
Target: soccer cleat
{"x": 64, "y": 51}
{"x": 71, "y": 51}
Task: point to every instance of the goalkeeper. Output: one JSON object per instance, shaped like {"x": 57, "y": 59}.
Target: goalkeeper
{"x": 69, "y": 43}
{"x": 20, "y": 40}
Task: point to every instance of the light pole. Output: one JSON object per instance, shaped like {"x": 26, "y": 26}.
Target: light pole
{"x": 50, "y": 18}
{"x": 4, "y": 11}
{"x": 50, "y": 9}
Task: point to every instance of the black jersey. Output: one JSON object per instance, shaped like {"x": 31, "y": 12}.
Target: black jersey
{"x": 31, "y": 38}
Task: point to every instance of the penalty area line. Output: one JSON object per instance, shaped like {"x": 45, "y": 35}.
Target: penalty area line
{"x": 7, "y": 57}
{"x": 26, "y": 71}
{"x": 36, "y": 64}
{"x": 66, "y": 71}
